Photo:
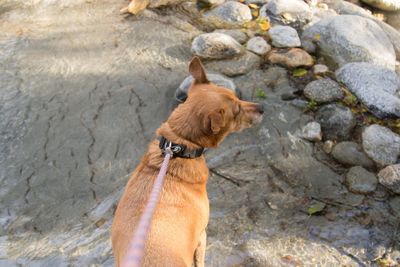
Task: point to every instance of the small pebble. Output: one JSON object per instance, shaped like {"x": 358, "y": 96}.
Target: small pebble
{"x": 320, "y": 69}
{"x": 258, "y": 45}
{"x": 328, "y": 146}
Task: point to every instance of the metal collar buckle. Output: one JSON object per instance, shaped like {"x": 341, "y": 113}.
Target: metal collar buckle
{"x": 176, "y": 150}
{"x": 172, "y": 149}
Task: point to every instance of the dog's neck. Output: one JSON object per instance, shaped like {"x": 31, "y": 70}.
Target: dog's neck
{"x": 166, "y": 131}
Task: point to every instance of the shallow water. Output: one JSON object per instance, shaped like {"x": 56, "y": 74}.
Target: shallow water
{"x": 82, "y": 91}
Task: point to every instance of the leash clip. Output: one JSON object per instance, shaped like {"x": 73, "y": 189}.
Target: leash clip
{"x": 169, "y": 149}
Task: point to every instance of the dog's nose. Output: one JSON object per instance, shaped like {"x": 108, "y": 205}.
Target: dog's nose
{"x": 260, "y": 108}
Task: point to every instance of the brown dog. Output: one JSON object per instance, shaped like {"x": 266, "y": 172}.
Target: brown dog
{"x": 177, "y": 235}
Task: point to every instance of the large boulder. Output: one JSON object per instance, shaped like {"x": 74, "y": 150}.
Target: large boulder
{"x": 230, "y": 12}
{"x": 287, "y": 11}
{"x": 348, "y": 38}
{"x": 377, "y": 87}
{"x": 393, "y": 35}
{"x": 216, "y": 46}
{"x": 388, "y": 5}
{"x": 381, "y": 144}
{"x": 347, "y": 8}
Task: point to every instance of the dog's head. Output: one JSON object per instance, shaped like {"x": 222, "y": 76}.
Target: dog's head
{"x": 212, "y": 112}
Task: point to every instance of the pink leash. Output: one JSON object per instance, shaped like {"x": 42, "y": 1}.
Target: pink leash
{"x": 135, "y": 252}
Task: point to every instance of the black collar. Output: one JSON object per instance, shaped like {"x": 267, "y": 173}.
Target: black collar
{"x": 179, "y": 151}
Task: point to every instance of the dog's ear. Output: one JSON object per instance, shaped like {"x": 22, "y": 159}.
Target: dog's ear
{"x": 215, "y": 121}
{"x": 196, "y": 69}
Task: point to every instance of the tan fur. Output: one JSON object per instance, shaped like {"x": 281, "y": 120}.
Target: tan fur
{"x": 177, "y": 234}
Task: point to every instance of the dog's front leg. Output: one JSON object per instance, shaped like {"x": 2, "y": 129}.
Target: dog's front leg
{"x": 200, "y": 251}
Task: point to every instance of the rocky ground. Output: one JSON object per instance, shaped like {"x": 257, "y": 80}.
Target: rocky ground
{"x": 83, "y": 89}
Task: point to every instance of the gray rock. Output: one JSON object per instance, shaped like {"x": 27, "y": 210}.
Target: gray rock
{"x": 235, "y": 66}
{"x": 276, "y": 79}
{"x": 230, "y": 12}
{"x": 238, "y": 35}
{"x": 216, "y": 45}
{"x": 337, "y": 122}
{"x": 323, "y": 90}
{"x": 287, "y": 11}
{"x": 284, "y": 36}
{"x": 377, "y": 87}
{"x": 320, "y": 13}
{"x": 218, "y": 79}
{"x": 258, "y": 45}
{"x": 388, "y": 5}
{"x": 320, "y": 69}
{"x": 395, "y": 205}
{"x": 348, "y": 38}
{"x": 347, "y": 8}
{"x": 309, "y": 46}
{"x": 312, "y": 131}
{"x": 381, "y": 144}
{"x": 393, "y": 35}
{"x": 390, "y": 178}
{"x": 351, "y": 154}
{"x": 361, "y": 181}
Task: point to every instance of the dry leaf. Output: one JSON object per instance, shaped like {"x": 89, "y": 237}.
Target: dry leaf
{"x": 386, "y": 263}
{"x": 315, "y": 208}
{"x": 264, "y": 25}
{"x": 300, "y": 72}
{"x": 136, "y": 6}
{"x": 317, "y": 37}
{"x": 251, "y": 25}
{"x": 254, "y": 6}
{"x": 100, "y": 222}
{"x": 254, "y": 13}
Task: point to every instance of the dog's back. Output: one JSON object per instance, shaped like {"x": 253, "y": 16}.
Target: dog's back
{"x": 181, "y": 214}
